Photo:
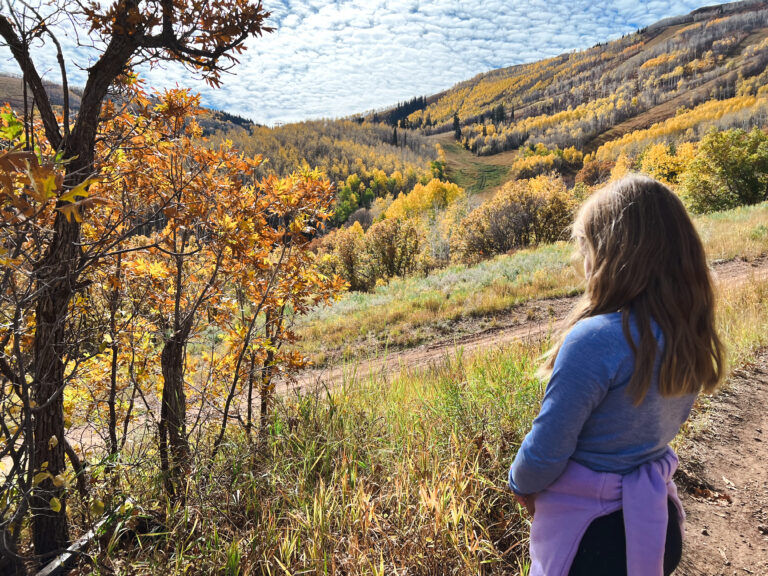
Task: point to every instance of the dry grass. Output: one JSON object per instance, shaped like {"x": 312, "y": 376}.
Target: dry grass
{"x": 743, "y": 319}
{"x": 377, "y": 476}
{"x": 464, "y": 299}
{"x": 742, "y": 232}
{"x": 411, "y": 311}
{"x": 405, "y": 476}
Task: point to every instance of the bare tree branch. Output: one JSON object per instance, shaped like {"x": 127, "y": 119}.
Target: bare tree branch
{"x": 20, "y": 53}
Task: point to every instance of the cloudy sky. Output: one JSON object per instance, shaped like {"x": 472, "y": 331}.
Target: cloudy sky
{"x": 331, "y": 58}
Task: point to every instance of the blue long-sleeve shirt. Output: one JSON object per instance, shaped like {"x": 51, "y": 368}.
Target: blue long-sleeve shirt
{"x": 586, "y": 414}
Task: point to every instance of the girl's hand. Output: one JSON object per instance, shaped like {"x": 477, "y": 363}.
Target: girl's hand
{"x": 528, "y": 502}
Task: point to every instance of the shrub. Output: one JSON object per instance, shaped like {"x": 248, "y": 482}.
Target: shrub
{"x": 393, "y": 247}
{"x": 666, "y": 162}
{"x": 523, "y": 212}
{"x": 621, "y": 168}
{"x": 437, "y": 250}
{"x": 595, "y": 172}
{"x": 730, "y": 169}
{"x": 362, "y": 215}
{"x": 424, "y": 199}
{"x": 343, "y": 253}
{"x": 530, "y": 166}
{"x": 540, "y": 160}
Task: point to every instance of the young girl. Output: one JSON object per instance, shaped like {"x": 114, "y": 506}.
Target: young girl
{"x": 596, "y": 469}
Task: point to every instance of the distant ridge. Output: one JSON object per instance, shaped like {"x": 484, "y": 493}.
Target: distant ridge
{"x": 11, "y": 93}
{"x": 707, "y": 12}
{"x": 589, "y": 97}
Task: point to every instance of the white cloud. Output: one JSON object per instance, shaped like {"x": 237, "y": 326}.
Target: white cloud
{"x": 332, "y": 58}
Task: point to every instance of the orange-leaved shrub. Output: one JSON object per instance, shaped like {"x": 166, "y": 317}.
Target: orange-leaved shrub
{"x": 594, "y": 172}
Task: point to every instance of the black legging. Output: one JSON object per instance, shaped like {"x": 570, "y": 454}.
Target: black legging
{"x": 603, "y": 549}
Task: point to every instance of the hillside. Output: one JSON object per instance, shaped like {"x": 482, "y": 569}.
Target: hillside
{"x": 587, "y": 98}
{"x": 11, "y": 93}
{"x": 364, "y": 160}
{"x": 671, "y": 82}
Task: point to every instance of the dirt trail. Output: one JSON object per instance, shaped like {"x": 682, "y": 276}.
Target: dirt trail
{"x": 723, "y": 480}
{"x": 530, "y": 321}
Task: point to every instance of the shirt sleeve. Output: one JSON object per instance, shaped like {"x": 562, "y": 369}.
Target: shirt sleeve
{"x": 581, "y": 378}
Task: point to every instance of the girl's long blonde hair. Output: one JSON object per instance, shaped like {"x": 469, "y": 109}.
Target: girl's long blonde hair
{"x": 647, "y": 259}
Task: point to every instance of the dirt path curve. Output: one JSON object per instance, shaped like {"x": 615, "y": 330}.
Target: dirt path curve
{"x": 530, "y": 321}
{"x": 724, "y": 480}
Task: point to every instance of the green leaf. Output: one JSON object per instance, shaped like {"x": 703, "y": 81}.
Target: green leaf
{"x": 55, "y": 504}
{"x": 13, "y": 128}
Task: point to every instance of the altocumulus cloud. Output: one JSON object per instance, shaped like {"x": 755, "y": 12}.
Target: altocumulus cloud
{"x": 333, "y": 58}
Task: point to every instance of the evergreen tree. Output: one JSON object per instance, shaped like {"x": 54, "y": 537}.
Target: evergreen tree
{"x": 456, "y": 126}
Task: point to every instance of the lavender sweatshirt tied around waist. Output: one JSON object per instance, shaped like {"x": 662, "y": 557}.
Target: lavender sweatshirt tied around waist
{"x": 589, "y": 431}
{"x": 567, "y": 507}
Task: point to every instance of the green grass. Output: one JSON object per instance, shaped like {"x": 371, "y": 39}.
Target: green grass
{"x": 480, "y": 176}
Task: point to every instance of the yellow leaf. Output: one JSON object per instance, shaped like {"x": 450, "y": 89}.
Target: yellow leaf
{"x": 53, "y": 442}
{"x": 49, "y": 185}
{"x": 40, "y": 477}
{"x": 97, "y": 507}
{"x": 78, "y": 191}
{"x": 60, "y": 480}
{"x": 55, "y": 504}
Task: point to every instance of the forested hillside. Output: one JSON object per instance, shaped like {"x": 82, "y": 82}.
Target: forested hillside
{"x": 668, "y": 100}
{"x": 365, "y": 160}
{"x": 586, "y": 98}
{"x": 669, "y": 83}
